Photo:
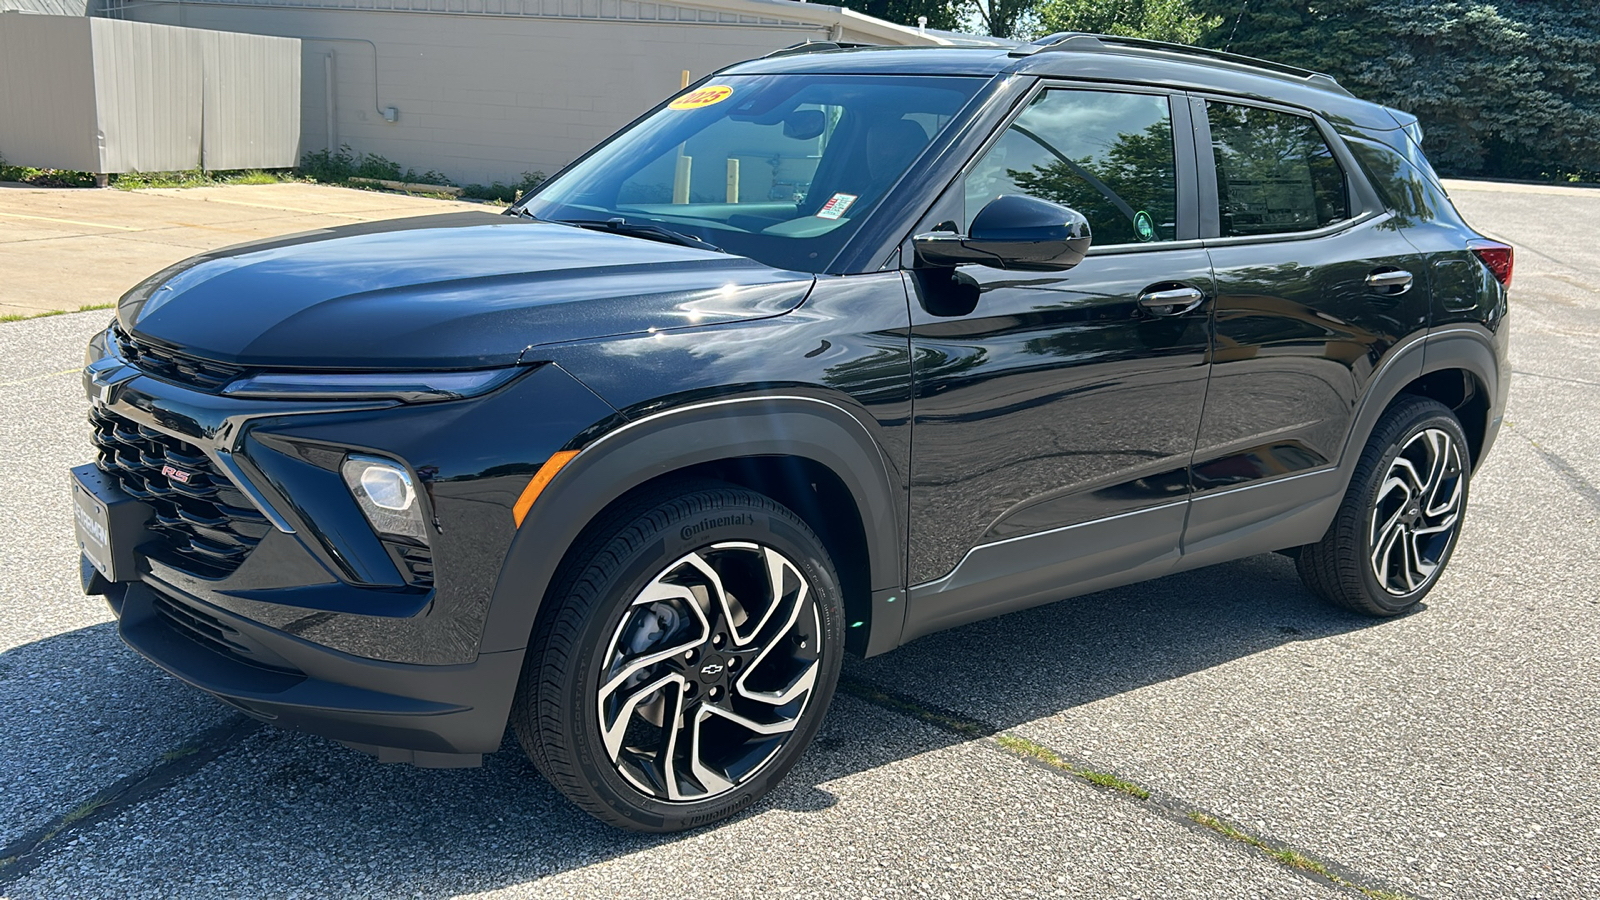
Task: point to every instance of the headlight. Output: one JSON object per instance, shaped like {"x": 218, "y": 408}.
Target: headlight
{"x": 410, "y": 387}
{"x": 384, "y": 490}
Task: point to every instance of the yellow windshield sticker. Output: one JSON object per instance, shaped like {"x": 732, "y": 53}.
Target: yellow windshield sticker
{"x": 702, "y": 96}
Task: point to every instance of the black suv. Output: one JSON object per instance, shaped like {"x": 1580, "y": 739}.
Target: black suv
{"x": 816, "y": 357}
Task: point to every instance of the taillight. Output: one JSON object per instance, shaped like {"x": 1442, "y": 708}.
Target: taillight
{"x": 1496, "y": 256}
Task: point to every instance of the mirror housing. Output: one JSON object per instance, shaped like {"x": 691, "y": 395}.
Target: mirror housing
{"x": 1011, "y": 232}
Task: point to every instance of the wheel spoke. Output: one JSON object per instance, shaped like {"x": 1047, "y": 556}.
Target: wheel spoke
{"x": 1422, "y": 567}
{"x": 782, "y": 726}
{"x": 720, "y": 610}
{"x": 1383, "y": 543}
{"x": 1412, "y": 479}
{"x": 1408, "y": 561}
{"x": 612, "y": 732}
{"x": 1433, "y": 507}
{"x": 714, "y": 782}
{"x": 669, "y": 756}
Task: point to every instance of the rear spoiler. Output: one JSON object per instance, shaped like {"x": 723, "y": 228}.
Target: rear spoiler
{"x": 1407, "y": 122}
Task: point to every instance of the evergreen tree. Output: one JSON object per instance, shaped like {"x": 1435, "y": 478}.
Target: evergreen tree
{"x": 1507, "y": 88}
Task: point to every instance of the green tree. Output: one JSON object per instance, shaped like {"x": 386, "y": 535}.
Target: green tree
{"x": 1509, "y": 88}
{"x": 1005, "y": 18}
{"x": 942, "y": 14}
{"x": 1176, "y": 21}
{"x": 1138, "y": 169}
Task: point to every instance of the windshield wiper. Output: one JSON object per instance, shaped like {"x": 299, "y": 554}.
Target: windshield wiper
{"x": 619, "y": 225}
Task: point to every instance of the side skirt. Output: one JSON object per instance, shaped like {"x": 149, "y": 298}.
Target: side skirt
{"x": 1032, "y": 570}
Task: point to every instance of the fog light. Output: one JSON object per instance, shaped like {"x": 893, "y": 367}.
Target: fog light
{"x": 384, "y": 491}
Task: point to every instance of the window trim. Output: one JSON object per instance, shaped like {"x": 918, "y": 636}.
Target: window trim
{"x": 1184, "y": 161}
{"x": 1360, "y": 198}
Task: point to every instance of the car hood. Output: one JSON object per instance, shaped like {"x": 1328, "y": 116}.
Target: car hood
{"x": 456, "y": 291}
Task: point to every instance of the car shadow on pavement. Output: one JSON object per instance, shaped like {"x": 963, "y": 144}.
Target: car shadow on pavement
{"x": 281, "y": 811}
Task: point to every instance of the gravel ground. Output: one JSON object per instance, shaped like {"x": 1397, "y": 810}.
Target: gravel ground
{"x": 1449, "y": 753}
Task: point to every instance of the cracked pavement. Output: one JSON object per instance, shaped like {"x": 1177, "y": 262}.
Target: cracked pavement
{"x": 1452, "y": 752}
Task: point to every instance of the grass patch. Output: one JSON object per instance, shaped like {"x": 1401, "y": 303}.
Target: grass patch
{"x": 1294, "y": 859}
{"x": 1039, "y": 753}
{"x": 84, "y": 811}
{"x": 135, "y": 181}
{"x": 339, "y": 166}
{"x": 45, "y": 177}
{"x": 504, "y": 193}
{"x": 87, "y": 307}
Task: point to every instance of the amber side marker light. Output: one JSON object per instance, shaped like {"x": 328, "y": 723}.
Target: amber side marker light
{"x": 540, "y": 479}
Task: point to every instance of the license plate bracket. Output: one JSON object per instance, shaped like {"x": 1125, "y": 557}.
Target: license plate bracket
{"x": 110, "y": 524}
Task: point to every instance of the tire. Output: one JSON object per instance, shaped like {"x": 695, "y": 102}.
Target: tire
{"x": 1401, "y": 517}
{"x": 638, "y": 635}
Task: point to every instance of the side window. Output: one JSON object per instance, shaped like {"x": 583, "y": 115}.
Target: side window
{"x": 1275, "y": 173}
{"x": 1107, "y": 155}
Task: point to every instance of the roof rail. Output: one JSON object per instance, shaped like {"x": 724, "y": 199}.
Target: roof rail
{"x": 817, "y": 47}
{"x": 1076, "y": 40}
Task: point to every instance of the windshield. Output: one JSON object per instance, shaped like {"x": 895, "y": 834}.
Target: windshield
{"x": 779, "y": 168}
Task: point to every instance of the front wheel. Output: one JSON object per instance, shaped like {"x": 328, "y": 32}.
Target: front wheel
{"x": 1401, "y": 517}
{"x": 692, "y": 657}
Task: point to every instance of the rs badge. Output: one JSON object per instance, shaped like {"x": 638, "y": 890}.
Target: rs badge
{"x": 175, "y": 474}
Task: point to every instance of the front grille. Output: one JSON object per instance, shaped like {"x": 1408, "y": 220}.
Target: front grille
{"x": 170, "y": 365}
{"x": 204, "y": 526}
{"x": 208, "y": 631}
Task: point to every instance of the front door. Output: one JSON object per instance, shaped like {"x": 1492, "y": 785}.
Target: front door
{"x": 1055, "y": 413}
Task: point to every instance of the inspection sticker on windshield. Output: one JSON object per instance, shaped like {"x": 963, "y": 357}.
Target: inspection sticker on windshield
{"x": 702, "y": 96}
{"x": 836, "y": 206}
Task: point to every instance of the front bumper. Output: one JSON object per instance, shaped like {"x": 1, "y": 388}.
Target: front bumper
{"x": 434, "y": 716}
{"x": 322, "y": 628}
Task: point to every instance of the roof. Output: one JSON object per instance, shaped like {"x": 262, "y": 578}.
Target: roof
{"x": 1095, "y": 58}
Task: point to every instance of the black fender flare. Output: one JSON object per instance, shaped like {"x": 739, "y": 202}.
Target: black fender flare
{"x": 1466, "y": 347}
{"x": 645, "y": 448}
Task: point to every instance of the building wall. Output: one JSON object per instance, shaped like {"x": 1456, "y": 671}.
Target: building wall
{"x": 100, "y": 95}
{"x": 48, "y": 7}
{"x": 482, "y": 97}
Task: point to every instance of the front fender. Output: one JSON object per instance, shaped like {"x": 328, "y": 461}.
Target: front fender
{"x": 619, "y": 460}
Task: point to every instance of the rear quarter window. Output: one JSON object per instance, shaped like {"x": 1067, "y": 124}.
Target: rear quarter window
{"x": 1275, "y": 172}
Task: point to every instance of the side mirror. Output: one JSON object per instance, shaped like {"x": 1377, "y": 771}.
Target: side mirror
{"x": 1011, "y": 232}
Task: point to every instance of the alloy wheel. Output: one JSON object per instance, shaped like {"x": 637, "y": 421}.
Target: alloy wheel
{"x": 1416, "y": 512}
{"x": 709, "y": 671}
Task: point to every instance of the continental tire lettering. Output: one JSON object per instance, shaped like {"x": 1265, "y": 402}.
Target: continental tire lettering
{"x": 689, "y": 531}
{"x": 726, "y": 811}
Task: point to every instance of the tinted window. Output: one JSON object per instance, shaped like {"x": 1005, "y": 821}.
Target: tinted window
{"x": 1107, "y": 155}
{"x": 1275, "y": 172}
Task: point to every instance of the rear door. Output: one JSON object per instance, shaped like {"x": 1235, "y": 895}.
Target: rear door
{"x": 1315, "y": 285}
{"x": 1054, "y": 414}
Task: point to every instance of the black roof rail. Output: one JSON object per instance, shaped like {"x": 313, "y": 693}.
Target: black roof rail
{"x": 817, "y": 47}
{"x": 1077, "y": 40}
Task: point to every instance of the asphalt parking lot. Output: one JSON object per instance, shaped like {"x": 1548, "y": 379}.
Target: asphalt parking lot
{"x": 1454, "y": 752}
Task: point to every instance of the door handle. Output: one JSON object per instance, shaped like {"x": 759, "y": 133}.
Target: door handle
{"x": 1390, "y": 281}
{"x": 1172, "y": 301}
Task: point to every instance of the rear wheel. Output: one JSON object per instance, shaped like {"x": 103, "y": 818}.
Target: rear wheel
{"x": 1401, "y": 516}
{"x": 692, "y": 657}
